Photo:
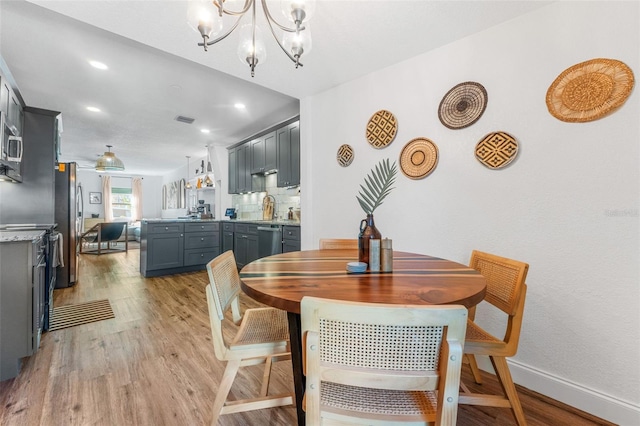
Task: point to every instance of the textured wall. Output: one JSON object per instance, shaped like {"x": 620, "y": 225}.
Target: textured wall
{"x": 568, "y": 205}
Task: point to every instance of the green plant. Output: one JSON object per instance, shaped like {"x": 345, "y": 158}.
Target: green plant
{"x": 378, "y": 185}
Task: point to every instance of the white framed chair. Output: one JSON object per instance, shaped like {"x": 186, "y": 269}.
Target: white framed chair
{"x": 506, "y": 290}
{"x": 381, "y": 364}
{"x": 338, "y": 243}
{"x": 262, "y": 338}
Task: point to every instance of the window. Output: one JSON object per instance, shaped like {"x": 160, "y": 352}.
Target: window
{"x": 121, "y": 201}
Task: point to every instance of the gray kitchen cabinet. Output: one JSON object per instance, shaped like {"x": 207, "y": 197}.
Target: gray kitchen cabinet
{"x": 288, "y": 159}
{"x": 172, "y": 247}
{"x": 201, "y": 243}
{"x": 245, "y": 244}
{"x": 243, "y": 175}
{"x": 233, "y": 171}
{"x": 264, "y": 154}
{"x": 290, "y": 238}
{"x": 227, "y": 236}
{"x": 164, "y": 246}
{"x": 22, "y": 287}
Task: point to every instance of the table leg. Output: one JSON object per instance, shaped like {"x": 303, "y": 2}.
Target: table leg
{"x": 295, "y": 337}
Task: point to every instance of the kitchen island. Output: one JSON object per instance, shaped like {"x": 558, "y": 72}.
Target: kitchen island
{"x": 173, "y": 246}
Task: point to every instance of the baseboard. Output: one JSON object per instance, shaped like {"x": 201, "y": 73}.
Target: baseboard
{"x": 593, "y": 402}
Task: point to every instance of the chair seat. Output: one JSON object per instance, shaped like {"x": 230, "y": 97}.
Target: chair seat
{"x": 260, "y": 326}
{"x": 381, "y": 404}
{"x": 477, "y": 334}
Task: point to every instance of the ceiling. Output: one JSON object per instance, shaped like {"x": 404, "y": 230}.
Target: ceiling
{"x": 157, "y": 71}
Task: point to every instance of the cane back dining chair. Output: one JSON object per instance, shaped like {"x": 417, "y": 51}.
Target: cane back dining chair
{"x": 338, "y": 243}
{"x": 381, "y": 364}
{"x": 262, "y": 337}
{"x": 506, "y": 290}
{"x": 102, "y": 235}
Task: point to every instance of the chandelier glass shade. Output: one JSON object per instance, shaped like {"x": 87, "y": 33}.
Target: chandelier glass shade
{"x": 109, "y": 162}
{"x": 206, "y": 18}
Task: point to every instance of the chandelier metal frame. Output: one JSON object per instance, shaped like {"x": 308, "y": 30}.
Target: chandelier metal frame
{"x": 298, "y": 15}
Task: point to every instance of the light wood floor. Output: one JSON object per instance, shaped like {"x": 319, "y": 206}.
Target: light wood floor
{"x": 153, "y": 364}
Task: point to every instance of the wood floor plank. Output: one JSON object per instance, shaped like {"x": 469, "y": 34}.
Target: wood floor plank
{"x": 153, "y": 364}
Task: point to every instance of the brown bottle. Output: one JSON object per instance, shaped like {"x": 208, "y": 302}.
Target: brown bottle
{"x": 368, "y": 231}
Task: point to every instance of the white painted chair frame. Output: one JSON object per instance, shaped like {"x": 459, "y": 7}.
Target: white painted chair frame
{"x": 262, "y": 338}
{"x": 431, "y": 376}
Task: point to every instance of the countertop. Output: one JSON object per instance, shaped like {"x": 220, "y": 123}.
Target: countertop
{"x": 259, "y": 222}
{"x": 20, "y": 236}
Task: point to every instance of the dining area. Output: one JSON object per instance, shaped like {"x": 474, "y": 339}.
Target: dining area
{"x": 368, "y": 347}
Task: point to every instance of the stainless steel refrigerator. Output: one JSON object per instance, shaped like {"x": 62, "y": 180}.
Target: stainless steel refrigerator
{"x": 68, "y": 216}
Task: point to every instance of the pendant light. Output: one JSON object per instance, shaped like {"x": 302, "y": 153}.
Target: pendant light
{"x": 188, "y": 184}
{"x": 109, "y": 162}
{"x": 207, "y": 179}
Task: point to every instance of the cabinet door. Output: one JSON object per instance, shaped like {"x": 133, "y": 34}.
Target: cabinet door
{"x": 233, "y": 171}
{"x": 290, "y": 245}
{"x": 294, "y": 150}
{"x": 270, "y": 152}
{"x": 4, "y": 96}
{"x": 252, "y": 248}
{"x": 288, "y": 145}
{"x": 244, "y": 171}
{"x": 257, "y": 155}
{"x": 14, "y": 115}
{"x": 283, "y": 155}
{"x": 227, "y": 241}
{"x": 165, "y": 251}
{"x": 240, "y": 245}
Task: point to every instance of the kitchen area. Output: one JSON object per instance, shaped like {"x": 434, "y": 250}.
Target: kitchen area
{"x": 264, "y": 218}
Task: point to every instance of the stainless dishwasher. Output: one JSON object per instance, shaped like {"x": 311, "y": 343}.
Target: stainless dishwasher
{"x": 269, "y": 240}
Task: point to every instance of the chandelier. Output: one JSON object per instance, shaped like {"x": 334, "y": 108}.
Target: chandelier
{"x": 109, "y": 162}
{"x": 203, "y": 17}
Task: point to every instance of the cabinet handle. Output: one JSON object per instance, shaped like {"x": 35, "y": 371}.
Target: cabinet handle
{"x": 182, "y": 235}
{"x": 201, "y": 239}
{"x": 201, "y": 226}
{"x": 166, "y": 228}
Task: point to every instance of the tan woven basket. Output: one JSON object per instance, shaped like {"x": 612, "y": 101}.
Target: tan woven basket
{"x": 381, "y": 129}
{"x": 418, "y": 158}
{"x": 345, "y": 155}
{"x": 589, "y": 90}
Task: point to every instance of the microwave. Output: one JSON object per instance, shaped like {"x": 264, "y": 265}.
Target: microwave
{"x": 10, "y": 152}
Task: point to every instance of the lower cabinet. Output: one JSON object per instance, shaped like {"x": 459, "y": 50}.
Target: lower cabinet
{"x": 22, "y": 278}
{"x": 245, "y": 243}
{"x": 174, "y": 247}
{"x": 290, "y": 238}
{"x": 227, "y": 236}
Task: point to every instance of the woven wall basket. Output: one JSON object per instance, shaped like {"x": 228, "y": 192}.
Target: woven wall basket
{"x": 418, "y": 158}
{"x": 345, "y": 155}
{"x": 589, "y": 90}
{"x": 381, "y": 129}
{"x": 496, "y": 150}
{"x": 463, "y": 105}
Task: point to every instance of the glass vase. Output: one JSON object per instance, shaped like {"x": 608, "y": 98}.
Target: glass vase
{"x": 368, "y": 231}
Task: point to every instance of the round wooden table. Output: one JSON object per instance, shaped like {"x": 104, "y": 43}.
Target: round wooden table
{"x": 283, "y": 280}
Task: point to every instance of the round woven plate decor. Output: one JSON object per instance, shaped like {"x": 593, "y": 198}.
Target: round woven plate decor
{"x": 589, "y": 90}
{"x": 496, "y": 150}
{"x": 418, "y": 158}
{"x": 463, "y": 105}
{"x": 381, "y": 129}
{"x": 345, "y": 155}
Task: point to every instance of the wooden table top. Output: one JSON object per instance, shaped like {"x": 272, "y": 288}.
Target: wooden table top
{"x": 283, "y": 280}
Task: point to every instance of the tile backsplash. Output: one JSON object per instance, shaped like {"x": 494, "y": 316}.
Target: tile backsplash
{"x": 249, "y": 206}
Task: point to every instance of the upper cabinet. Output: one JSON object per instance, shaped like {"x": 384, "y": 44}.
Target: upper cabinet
{"x": 288, "y": 142}
{"x": 263, "y": 154}
{"x": 278, "y": 150}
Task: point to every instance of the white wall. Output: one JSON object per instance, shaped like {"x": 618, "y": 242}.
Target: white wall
{"x": 151, "y": 192}
{"x": 568, "y": 205}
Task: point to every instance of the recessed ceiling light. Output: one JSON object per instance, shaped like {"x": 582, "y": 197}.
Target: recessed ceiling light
{"x": 98, "y": 65}
{"x": 93, "y": 109}
{"x": 205, "y": 130}
{"x": 240, "y": 106}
